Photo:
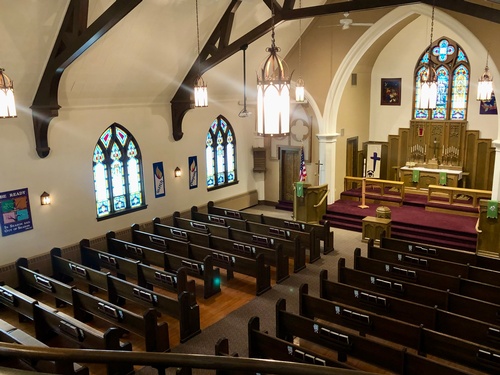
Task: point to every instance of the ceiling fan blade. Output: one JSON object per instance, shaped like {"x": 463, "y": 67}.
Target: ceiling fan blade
{"x": 361, "y": 24}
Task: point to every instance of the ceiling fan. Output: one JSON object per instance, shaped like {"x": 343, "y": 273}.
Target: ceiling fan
{"x": 347, "y": 22}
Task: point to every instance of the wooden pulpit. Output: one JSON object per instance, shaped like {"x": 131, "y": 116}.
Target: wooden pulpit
{"x": 309, "y": 202}
{"x": 488, "y": 236}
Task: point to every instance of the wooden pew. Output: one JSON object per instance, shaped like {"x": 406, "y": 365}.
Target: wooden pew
{"x": 467, "y": 271}
{"x": 146, "y": 276}
{"x": 348, "y": 344}
{"x": 231, "y": 262}
{"x": 50, "y": 324}
{"x": 151, "y": 249}
{"x": 18, "y": 302}
{"x": 263, "y": 345}
{"x": 322, "y": 231}
{"x": 183, "y": 308}
{"x": 11, "y": 334}
{"x": 455, "y": 284}
{"x": 307, "y": 239}
{"x": 222, "y": 349}
{"x": 391, "y": 325}
{"x": 474, "y": 308}
{"x": 30, "y": 282}
{"x": 291, "y": 248}
{"x": 155, "y": 334}
{"x": 273, "y": 257}
{"x": 443, "y": 253}
{"x": 86, "y": 306}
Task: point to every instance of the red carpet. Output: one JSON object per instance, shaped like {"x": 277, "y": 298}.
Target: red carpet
{"x": 410, "y": 221}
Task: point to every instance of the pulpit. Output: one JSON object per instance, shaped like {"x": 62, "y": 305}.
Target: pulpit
{"x": 309, "y": 202}
{"x": 488, "y": 228}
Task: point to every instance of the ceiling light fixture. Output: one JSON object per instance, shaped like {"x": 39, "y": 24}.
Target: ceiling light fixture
{"x": 273, "y": 91}
{"x": 428, "y": 79}
{"x": 299, "y": 87}
{"x": 485, "y": 84}
{"x": 200, "y": 88}
{"x": 7, "y": 101}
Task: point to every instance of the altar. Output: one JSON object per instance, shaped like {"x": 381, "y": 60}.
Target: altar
{"x": 421, "y": 177}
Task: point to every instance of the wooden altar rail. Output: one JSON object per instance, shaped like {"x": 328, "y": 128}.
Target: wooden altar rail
{"x": 376, "y": 184}
{"x": 436, "y": 193}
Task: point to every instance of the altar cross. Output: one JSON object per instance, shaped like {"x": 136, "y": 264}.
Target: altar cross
{"x": 319, "y": 164}
{"x": 374, "y": 157}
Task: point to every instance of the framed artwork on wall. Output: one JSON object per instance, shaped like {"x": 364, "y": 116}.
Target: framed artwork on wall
{"x": 488, "y": 107}
{"x": 390, "y": 93}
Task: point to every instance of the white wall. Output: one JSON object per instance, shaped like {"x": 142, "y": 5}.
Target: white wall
{"x": 398, "y": 60}
{"x": 66, "y": 173}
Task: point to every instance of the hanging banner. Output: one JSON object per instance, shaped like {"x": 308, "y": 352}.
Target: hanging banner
{"x": 373, "y": 160}
{"x": 159, "y": 179}
{"x": 193, "y": 172}
{"x": 16, "y": 213}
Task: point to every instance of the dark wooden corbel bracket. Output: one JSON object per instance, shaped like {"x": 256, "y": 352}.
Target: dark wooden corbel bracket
{"x": 73, "y": 39}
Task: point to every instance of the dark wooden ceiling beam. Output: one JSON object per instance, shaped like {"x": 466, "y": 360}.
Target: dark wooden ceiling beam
{"x": 465, "y": 7}
{"x": 213, "y": 54}
{"x": 73, "y": 39}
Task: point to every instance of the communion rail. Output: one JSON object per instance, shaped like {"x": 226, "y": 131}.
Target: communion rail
{"x": 376, "y": 187}
{"x": 457, "y": 197}
{"x": 161, "y": 361}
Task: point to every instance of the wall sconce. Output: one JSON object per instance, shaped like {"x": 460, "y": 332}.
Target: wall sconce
{"x": 177, "y": 172}
{"x": 45, "y": 199}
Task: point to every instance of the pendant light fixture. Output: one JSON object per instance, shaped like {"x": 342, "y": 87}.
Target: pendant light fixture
{"x": 485, "y": 84}
{"x": 244, "y": 112}
{"x": 200, "y": 88}
{"x": 428, "y": 79}
{"x": 7, "y": 101}
{"x": 273, "y": 91}
{"x": 299, "y": 87}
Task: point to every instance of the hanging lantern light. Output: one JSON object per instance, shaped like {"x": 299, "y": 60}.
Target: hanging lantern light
{"x": 200, "y": 88}
{"x": 7, "y": 101}
{"x": 485, "y": 84}
{"x": 428, "y": 78}
{"x": 273, "y": 92}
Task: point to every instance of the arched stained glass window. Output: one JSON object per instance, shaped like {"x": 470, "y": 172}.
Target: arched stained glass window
{"x": 117, "y": 166}
{"x": 452, "y": 69}
{"x": 220, "y": 154}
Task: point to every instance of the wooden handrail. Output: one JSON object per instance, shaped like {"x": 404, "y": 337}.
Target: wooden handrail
{"x": 163, "y": 360}
{"x": 382, "y": 184}
{"x": 322, "y": 199}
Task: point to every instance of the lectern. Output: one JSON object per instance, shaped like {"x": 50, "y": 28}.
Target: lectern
{"x": 309, "y": 202}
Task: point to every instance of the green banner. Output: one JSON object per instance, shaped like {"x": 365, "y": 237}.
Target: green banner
{"x": 492, "y": 212}
{"x": 416, "y": 175}
{"x": 442, "y": 178}
{"x": 300, "y": 189}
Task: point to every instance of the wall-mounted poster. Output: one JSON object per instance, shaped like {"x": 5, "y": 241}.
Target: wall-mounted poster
{"x": 488, "y": 107}
{"x": 159, "y": 179}
{"x": 193, "y": 172}
{"x": 390, "y": 91}
{"x": 16, "y": 214}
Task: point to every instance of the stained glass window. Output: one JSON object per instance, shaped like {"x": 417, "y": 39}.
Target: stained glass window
{"x": 452, "y": 69}
{"x": 220, "y": 154}
{"x": 117, "y": 166}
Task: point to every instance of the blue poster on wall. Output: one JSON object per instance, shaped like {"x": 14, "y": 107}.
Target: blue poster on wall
{"x": 159, "y": 179}
{"x": 16, "y": 213}
{"x": 193, "y": 172}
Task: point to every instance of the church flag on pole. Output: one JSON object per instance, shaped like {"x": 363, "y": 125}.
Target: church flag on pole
{"x": 303, "y": 171}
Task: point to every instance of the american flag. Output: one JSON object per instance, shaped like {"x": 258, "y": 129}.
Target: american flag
{"x": 303, "y": 171}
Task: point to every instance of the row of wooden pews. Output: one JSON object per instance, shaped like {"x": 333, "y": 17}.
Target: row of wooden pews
{"x": 127, "y": 284}
{"x": 56, "y": 328}
{"x": 406, "y": 308}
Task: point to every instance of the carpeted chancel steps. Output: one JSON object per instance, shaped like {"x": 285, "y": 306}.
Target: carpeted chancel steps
{"x": 410, "y": 222}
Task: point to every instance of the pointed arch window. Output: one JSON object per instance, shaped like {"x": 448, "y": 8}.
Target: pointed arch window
{"x": 117, "y": 166}
{"x": 220, "y": 153}
{"x": 452, "y": 70}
